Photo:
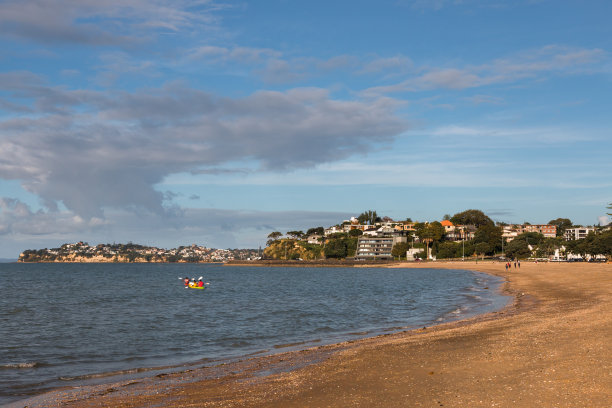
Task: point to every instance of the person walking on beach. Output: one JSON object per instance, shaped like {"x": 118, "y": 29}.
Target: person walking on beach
{"x": 519, "y": 264}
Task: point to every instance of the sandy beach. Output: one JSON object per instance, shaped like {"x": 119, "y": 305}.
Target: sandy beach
{"x": 550, "y": 348}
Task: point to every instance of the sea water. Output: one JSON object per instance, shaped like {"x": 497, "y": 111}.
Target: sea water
{"x": 70, "y": 324}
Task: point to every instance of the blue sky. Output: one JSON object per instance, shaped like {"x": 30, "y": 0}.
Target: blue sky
{"x": 176, "y": 122}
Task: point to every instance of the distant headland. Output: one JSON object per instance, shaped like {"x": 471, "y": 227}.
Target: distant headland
{"x": 123, "y": 253}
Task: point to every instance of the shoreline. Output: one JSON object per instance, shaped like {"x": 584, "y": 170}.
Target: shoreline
{"x": 368, "y": 372}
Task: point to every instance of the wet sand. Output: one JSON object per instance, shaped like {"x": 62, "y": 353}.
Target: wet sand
{"x": 550, "y": 348}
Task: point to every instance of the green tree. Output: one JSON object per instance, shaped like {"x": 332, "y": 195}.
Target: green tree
{"x": 368, "y": 217}
{"x": 351, "y": 246}
{"x": 448, "y": 249}
{"x": 316, "y": 231}
{"x": 562, "y": 224}
{"x": 604, "y": 244}
{"x": 531, "y": 238}
{"x": 517, "y": 248}
{"x": 399, "y": 250}
{"x": 429, "y": 233}
{"x": 489, "y": 234}
{"x": 340, "y": 245}
{"x": 434, "y": 231}
{"x": 273, "y": 236}
{"x": 548, "y": 246}
{"x": 571, "y": 247}
{"x": 295, "y": 234}
{"x": 355, "y": 232}
{"x": 336, "y": 248}
{"x": 581, "y": 247}
{"x": 594, "y": 244}
{"x": 471, "y": 217}
{"x": 483, "y": 248}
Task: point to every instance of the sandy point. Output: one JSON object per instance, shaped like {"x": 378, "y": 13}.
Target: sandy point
{"x": 550, "y": 348}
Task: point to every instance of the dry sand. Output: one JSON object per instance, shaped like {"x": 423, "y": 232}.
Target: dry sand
{"x": 551, "y": 348}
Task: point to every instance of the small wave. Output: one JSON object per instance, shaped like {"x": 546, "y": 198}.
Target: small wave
{"x": 324, "y": 329}
{"x": 452, "y": 315}
{"x": 298, "y": 343}
{"x": 18, "y": 366}
{"x": 109, "y": 374}
{"x": 395, "y": 328}
{"x": 474, "y": 297}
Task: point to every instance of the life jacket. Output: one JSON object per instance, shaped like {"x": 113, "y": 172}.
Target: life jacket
{"x": 200, "y": 284}
{"x": 186, "y": 280}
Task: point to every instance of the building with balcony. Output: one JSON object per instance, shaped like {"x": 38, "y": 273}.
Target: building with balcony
{"x": 376, "y": 247}
{"x": 572, "y": 234}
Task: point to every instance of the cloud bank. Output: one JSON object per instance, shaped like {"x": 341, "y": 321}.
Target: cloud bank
{"x": 93, "y": 149}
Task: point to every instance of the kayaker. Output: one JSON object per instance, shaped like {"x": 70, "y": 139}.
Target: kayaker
{"x": 186, "y": 280}
{"x": 200, "y": 283}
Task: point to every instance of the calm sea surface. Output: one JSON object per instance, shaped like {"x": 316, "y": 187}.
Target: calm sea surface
{"x": 69, "y": 324}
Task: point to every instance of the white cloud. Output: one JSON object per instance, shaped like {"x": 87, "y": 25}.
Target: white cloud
{"x": 90, "y": 150}
{"x": 117, "y": 22}
{"x": 517, "y": 136}
{"x": 17, "y": 218}
{"x": 398, "y": 63}
{"x": 549, "y": 60}
{"x": 238, "y": 54}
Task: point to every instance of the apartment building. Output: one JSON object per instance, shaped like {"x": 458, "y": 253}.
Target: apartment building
{"x": 572, "y": 234}
{"x": 376, "y": 247}
{"x": 509, "y": 232}
{"x": 549, "y": 231}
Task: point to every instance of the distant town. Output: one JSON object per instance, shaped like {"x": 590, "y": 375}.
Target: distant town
{"x": 368, "y": 237}
{"x": 83, "y": 252}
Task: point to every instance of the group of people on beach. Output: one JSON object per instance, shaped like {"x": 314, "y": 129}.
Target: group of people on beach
{"x": 192, "y": 282}
{"x": 509, "y": 264}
